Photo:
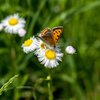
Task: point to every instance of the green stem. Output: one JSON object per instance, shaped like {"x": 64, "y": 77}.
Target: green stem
{"x": 50, "y": 85}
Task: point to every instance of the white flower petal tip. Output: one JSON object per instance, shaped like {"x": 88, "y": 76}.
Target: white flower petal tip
{"x": 1, "y": 27}
{"x": 21, "y": 32}
{"x": 13, "y": 23}
{"x": 29, "y": 45}
{"x": 70, "y": 50}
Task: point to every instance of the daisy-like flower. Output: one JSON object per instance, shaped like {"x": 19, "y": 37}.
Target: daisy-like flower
{"x": 49, "y": 58}
{"x": 70, "y": 50}
{"x": 29, "y": 45}
{"x": 41, "y": 46}
{"x": 13, "y": 23}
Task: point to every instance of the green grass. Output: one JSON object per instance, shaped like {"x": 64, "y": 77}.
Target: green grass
{"x": 78, "y": 76}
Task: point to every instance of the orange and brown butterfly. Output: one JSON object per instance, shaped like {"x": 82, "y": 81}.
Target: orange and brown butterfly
{"x": 51, "y": 37}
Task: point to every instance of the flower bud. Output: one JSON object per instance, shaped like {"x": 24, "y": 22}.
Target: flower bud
{"x": 70, "y": 50}
{"x": 21, "y": 32}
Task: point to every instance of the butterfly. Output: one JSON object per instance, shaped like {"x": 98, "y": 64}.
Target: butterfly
{"x": 51, "y": 37}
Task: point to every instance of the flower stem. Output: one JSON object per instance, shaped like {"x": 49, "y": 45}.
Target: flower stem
{"x": 50, "y": 85}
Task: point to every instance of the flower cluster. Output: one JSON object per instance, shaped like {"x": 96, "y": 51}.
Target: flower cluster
{"x": 48, "y": 57}
{"x": 13, "y": 24}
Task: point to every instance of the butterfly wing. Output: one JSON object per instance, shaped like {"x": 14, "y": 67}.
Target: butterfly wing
{"x": 57, "y": 31}
{"x": 46, "y": 32}
{"x": 43, "y": 40}
{"x": 46, "y": 37}
{"x": 50, "y": 41}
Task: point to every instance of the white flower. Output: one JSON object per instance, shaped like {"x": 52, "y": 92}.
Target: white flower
{"x": 29, "y": 45}
{"x": 13, "y": 23}
{"x": 49, "y": 58}
{"x": 70, "y": 50}
{"x": 41, "y": 46}
{"x": 21, "y": 32}
{"x": 1, "y": 27}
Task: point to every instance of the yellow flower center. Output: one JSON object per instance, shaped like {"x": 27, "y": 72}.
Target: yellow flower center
{"x": 50, "y": 54}
{"x": 42, "y": 46}
{"x": 28, "y": 42}
{"x": 13, "y": 21}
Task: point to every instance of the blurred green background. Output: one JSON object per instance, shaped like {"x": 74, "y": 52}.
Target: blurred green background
{"x": 78, "y": 76}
